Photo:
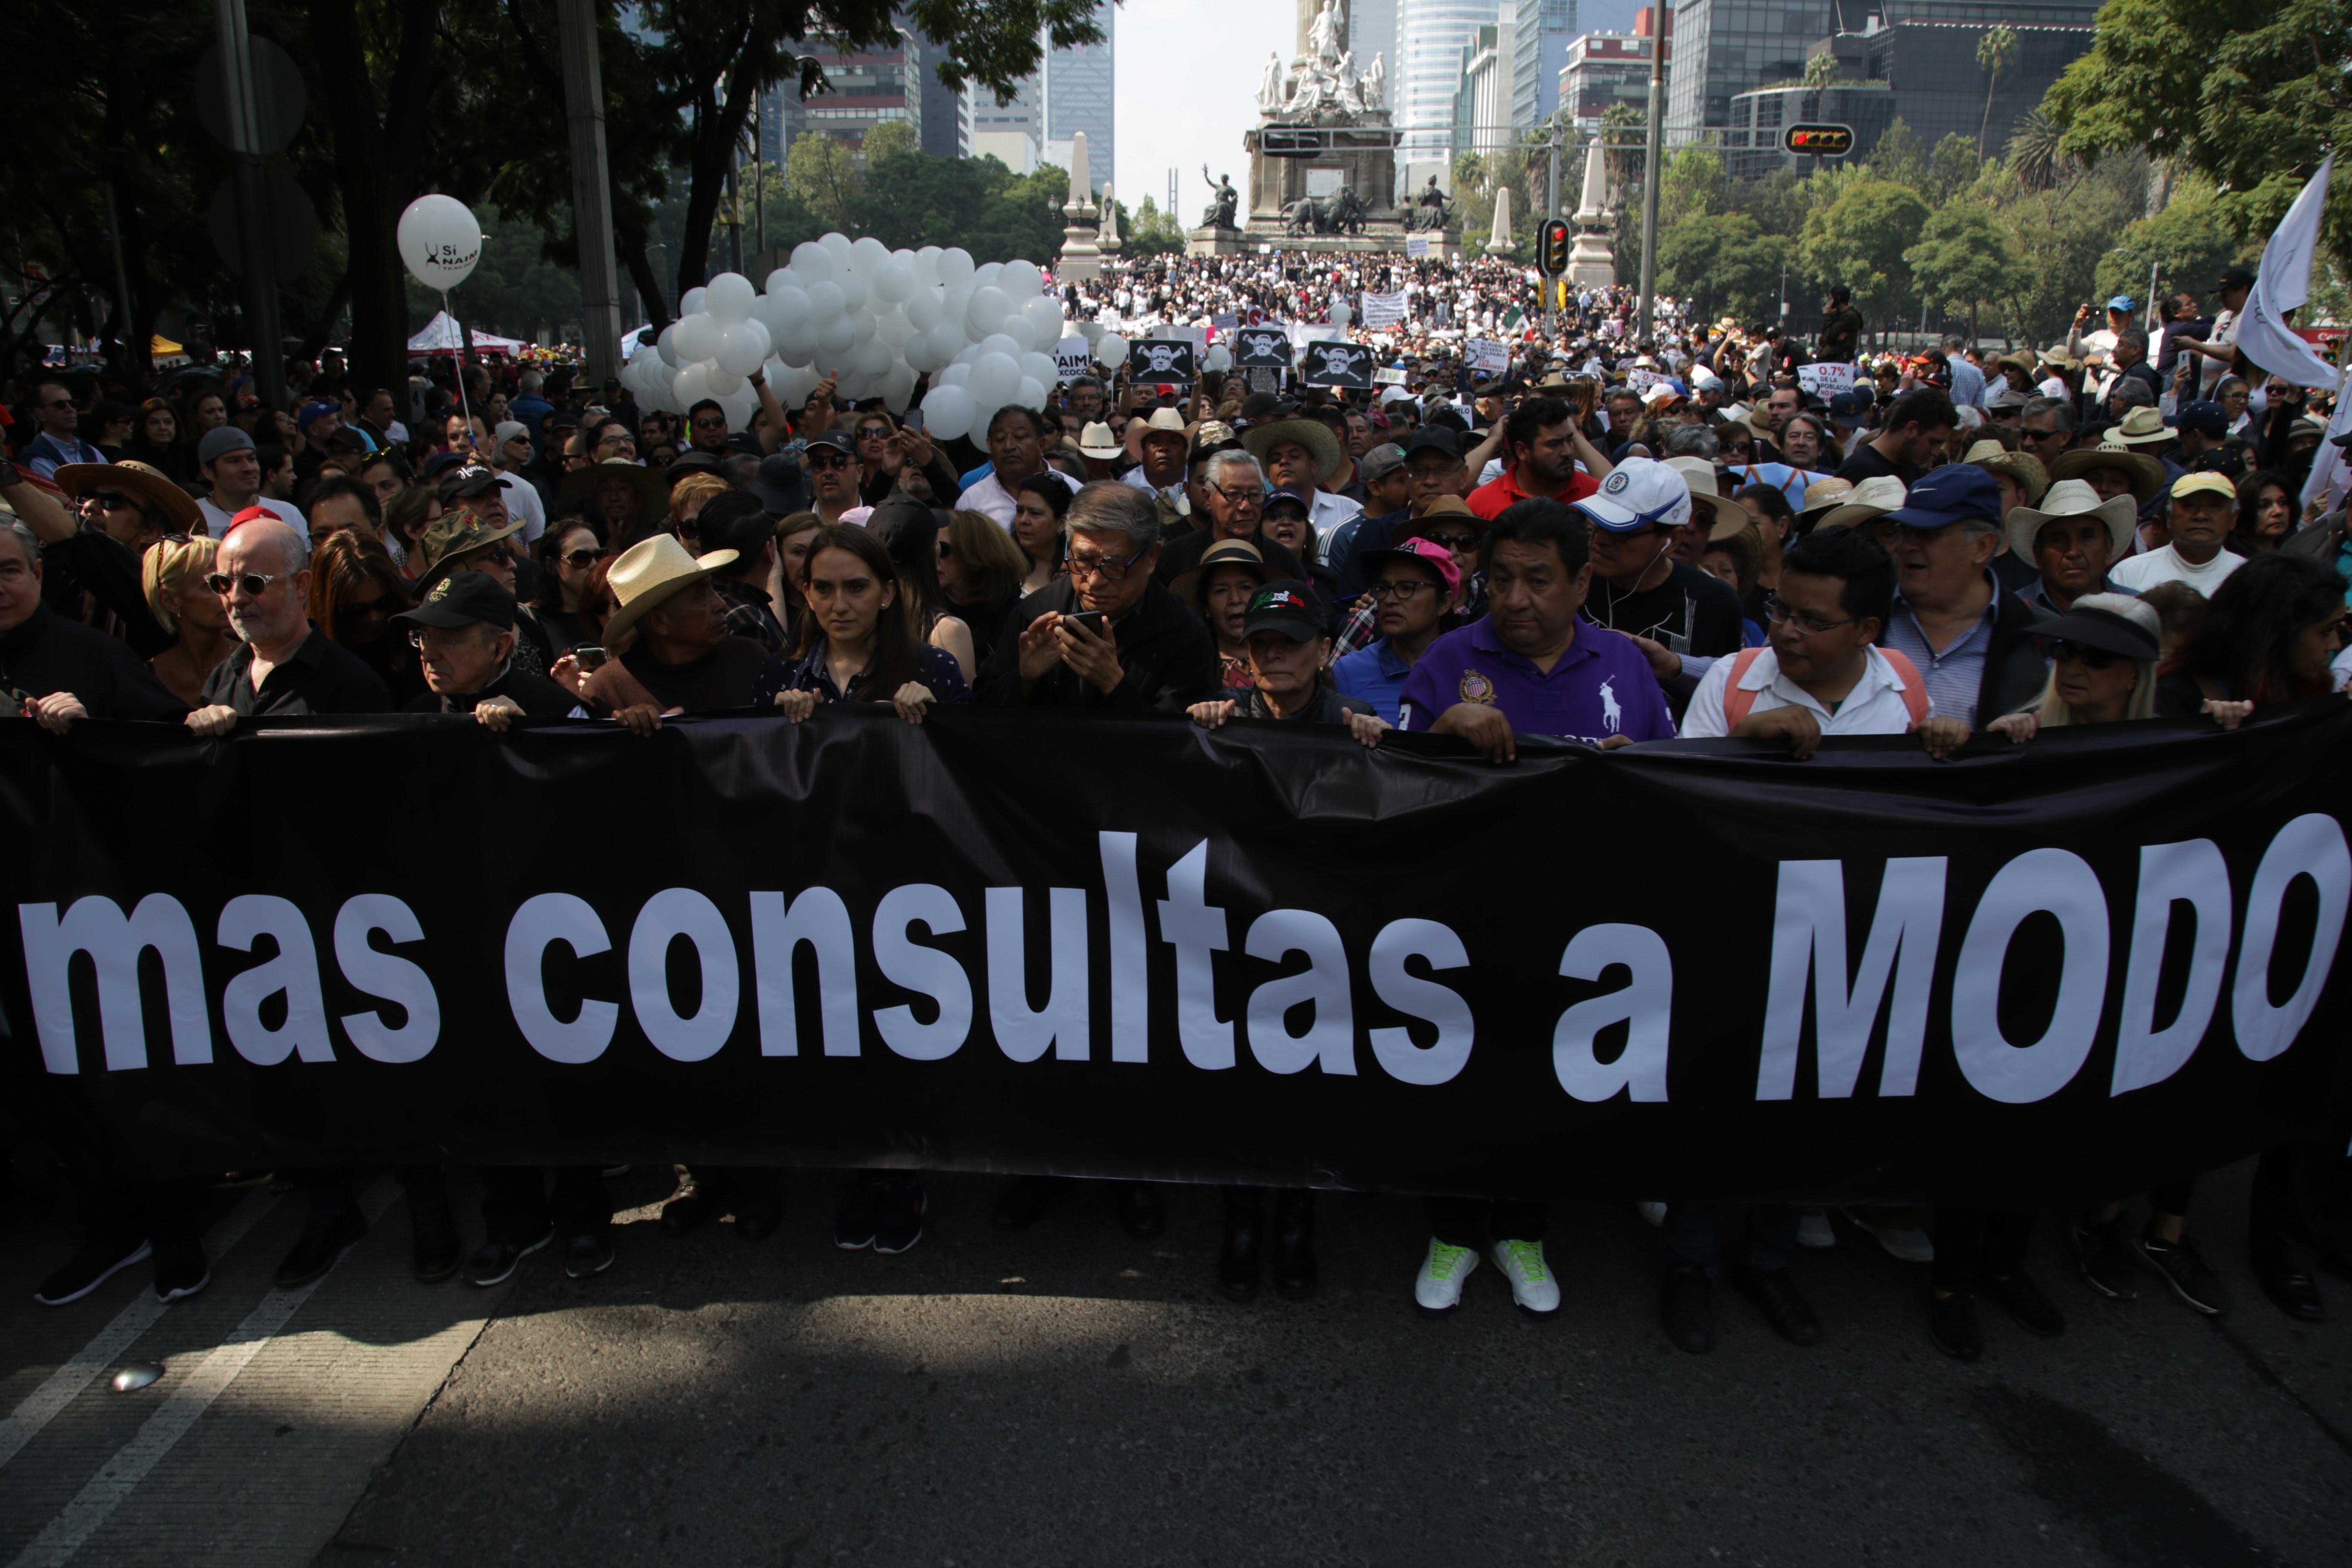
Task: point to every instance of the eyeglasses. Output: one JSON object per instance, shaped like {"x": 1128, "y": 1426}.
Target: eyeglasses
{"x": 106, "y": 500}
{"x": 253, "y": 583}
{"x": 826, "y": 465}
{"x": 1401, "y": 591}
{"x": 580, "y": 560}
{"x": 1778, "y": 613}
{"x": 1451, "y": 540}
{"x": 2089, "y": 658}
{"x": 1241, "y": 497}
{"x": 439, "y": 636}
{"x": 1104, "y": 567}
{"x": 617, "y": 442}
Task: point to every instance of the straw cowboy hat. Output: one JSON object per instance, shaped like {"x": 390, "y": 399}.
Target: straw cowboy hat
{"x": 1330, "y": 457}
{"x": 653, "y": 570}
{"x": 2146, "y": 473}
{"x": 1096, "y": 441}
{"x": 1823, "y": 494}
{"x": 2024, "y": 467}
{"x": 1873, "y": 497}
{"x": 652, "y": 490}
{"x": 167, "y": 506}
{"x": 1163, "y": 422}
{"x": 2071, "y": 499}
{"x": 1706, "y": 487}
{"x": 2141, "y": 426}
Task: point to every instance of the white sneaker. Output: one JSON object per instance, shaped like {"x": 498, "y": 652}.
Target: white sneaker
{"x": 1897, "y": 1230}
{"x": 1532, "y": 1286}
{"x": 1654, "y": 1213}
{"x": 1439, "y": 1289}
{"x": 1813, "y": 1229}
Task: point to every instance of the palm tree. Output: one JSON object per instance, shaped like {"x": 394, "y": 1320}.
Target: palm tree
{"x": 1996, "y": 52}
{"x": 1821, "y": 72}
{"x": 2034, "y": 149}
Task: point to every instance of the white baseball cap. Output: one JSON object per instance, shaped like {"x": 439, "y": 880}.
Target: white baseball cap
{"x": 1640, "y": 492}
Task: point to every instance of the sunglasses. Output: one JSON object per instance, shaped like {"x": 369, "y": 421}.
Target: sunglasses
{"x": 1451, "y": 540}
{"x": 253, "y": 583}
{"x": 2089, "y": 658}
{"x": 579, "y": 560}
{"x": 369, "y": 607}
{"x": 827, "y": 465}
{"x": 874, "y": 433}
{"x": 108, "y": 500}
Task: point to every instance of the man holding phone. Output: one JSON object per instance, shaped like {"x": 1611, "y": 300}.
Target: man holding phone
{"x": 1106, "y": 636}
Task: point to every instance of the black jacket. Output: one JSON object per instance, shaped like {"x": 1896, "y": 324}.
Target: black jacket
{"x": 44, "y": 653}
{"x": 2014, "y": 670}
{"x": 539, "y": 697}
{"x": 1169, "y": 659}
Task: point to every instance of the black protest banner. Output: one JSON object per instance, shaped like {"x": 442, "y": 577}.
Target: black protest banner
{"x": 1335, "y": 363}
{"x": 1013, "y": 941}
{"x": 1161, "y": 359}
{"x": 1262, "y": 348}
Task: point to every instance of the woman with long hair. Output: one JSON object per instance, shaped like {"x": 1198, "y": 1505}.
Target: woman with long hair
{"x": 794, "y": 532}
{"x": 2103, "y": 653}
{"x": 858, "y": 643}
{"x": 2265, "y": 515}
{"x": 1039, "y": 504}
{"x": 2268, "y": 635}
{"x": 355, "y": 590}
{"x": 569, "y": 553}
{"x": 979, "y": 571}
{"x": 411, "y": 512}
{"x": 173, "y": 576}
{"x": 908, "y": 531}
{"x": 155, "y": 441}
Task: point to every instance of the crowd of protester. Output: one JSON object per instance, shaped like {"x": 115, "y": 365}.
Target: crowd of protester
{"x": 1629, "y": 536}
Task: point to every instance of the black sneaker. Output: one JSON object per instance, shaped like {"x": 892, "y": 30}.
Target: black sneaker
{"x": 1142, "y": 1212}
{"x": 899, "y": 1224}
{"x": 1024, "y": 1203}
{"x": 99, "y": 1260}
{"x": 861, "y": 1212}
{"x": 2185, "y": 1271}
{"x": 589, "y": 1253}
{"x": 2105, "y": 1258}
{"x": 495, "y": 1262}
{"x": 435, "y": 1250}
{"x": 2021, "y": 1299}
{"x": 323, "y": 1244}
{"x": 181, "y": 1271}
{"x": 1952, "y": 1324}
{"x": 1687, "y": 1308}
{"x": 1783, "y": 1305}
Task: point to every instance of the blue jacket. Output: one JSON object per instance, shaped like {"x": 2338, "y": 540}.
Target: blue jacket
{"x": 1375, "y": 674}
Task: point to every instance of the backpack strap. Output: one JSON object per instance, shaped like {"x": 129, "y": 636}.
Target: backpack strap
{"x": 1738, "y": 700}
{"x": 1915, "y": 691}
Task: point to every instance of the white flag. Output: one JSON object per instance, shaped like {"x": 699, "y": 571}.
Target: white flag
{"x": 2283, "y": 284}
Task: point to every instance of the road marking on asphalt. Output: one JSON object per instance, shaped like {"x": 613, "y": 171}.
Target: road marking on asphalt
{"x": 132, "y": 1463}
{"x": 59, "y": 1389}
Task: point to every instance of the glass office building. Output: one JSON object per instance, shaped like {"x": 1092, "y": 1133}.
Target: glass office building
{"x": 1432, "y": 36}
{"x": 1539, "y": 48}
{"x": 1726, "y": 47}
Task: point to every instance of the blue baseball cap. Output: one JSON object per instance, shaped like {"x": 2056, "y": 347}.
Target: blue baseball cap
{"x": 2121, "y": 302}
{"x": 1957, "y": 492}
{"x": 2204, "y": 418}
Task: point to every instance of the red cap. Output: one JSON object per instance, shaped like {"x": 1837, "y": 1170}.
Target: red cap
{"x": 250, "y": 514}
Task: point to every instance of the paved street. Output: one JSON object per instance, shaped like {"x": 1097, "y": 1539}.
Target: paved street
{"x": 1069, "y": 1397}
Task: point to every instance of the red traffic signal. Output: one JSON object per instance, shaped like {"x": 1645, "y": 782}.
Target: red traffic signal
{"x": 1553, "y": 247}
{"x": 1818, "y": 141}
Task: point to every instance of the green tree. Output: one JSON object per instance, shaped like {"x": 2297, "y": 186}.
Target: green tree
{"x": 1899, "y": 156}
{"x": 2250, "y": 93}
{"x": 1859, "y": 240}
{"x": 2059, "y": 234}
{"x": 1996, "y": 52}
{"x": 2033, "y": 157}
{"x": 1723, "y": 263}
{"x": 1953, "y": 167}
{"x": 1821, "y": 73}
{"x": 2187, "y": 245}
{"x": 824, "y": 173}
{"x": 910, "y": 200}
{"x": 1690, "y": 186}
{"x": 1962, "y": 259}
{"x": 890, "y": 136}
{"x": 1150, "y": 232}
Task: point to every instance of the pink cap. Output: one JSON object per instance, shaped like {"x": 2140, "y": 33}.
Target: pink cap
{"x": 1426, "y": 551}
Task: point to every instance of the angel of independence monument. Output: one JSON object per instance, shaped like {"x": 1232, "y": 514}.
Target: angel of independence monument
{"x": 1322, "y": 172}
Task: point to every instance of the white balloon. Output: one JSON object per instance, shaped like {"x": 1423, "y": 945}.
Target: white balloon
{"x": 946, "y": 341}
{"x": 871, "y": 359}
{"x": 954, "y": 375}
{"x": 988, "y": 274}
{"x": 853, "y": 287}
{"x": 1040, "y": 368}
{"x": 1219, "y": 357}
{"x": 837, "y": 244}
{"x": 969, "y": 354}
{"x": 987, "y": 309}
{"x": 1030, "y": 393}
{"x": 916, "y": 354}
{"x": 948, "y": 412}
{"x": 1021, "y": 281}
{"x": 927, "y": 265}
{"x": 1340, "y": 313}
{"x": 833, "y": 338}
{"x": 893, "y": 281}
{"x": 729, "y": 297}
{"x": 812, "y": 263}
{"x": 893, "y": 328}
{"x": 925, "y": 306}
{"x": 665, "y": 347}
{"x": 440, "y": 243}
{"x": 1044, "y": 313}
{"x": 722, "y": 381}
{"x": 955, "y": 308}
{"x": 741, "y": 347}
{"x": 797, "y": 345}
{"x": 692, "y": 386}
{"x": 741, "y": 405}
{"x": 868, "y": 253}
{"x": 899, "y": 388}
{"x": 826, "y": 303}
{"x": 792, "y": 383}
{"x": 698, "y": 337}
{"x": 1090, "y": 329}
{"x": 861, "y": 325}
{"x": 1110, "y": 351}
{"x": 994, "y": 379}
{"x": 955, "y": 266}
{"x": 786, "y": 308}
{"x": 783, "y": 277}
{"x": 690, "y": 302}
{"x": 1016, "y": 329}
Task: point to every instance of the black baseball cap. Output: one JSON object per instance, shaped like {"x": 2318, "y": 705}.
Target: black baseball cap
{"x": 463, "y": 599}
{"x": 463, "y": 484}
{"x": 1289, "y": 607}
{"x": 781, "y": 487}
{"x": 1433, "y": 439}
{"x": 2234, "y": 277}
{"x": 839, "y": 440}
{"x": 1293, "y": 497}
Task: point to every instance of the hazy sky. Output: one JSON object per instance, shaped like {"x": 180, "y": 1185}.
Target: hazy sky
{"x": 1188, "y": 75}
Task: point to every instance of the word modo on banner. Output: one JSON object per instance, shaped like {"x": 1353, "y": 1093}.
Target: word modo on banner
{"x": 1825, "y": 380}
{"x": 274, "y": 1011}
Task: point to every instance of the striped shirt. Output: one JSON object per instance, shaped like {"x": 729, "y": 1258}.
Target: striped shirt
{"x": 1954, "y": 675}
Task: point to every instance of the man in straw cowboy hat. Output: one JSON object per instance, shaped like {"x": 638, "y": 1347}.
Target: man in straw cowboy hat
{"x": 1306, "y": 456}
{"x": 631, "y": 498}
{"x": 682, "y": 657}
{"x": 2072, "y": 538}
{"x": 1160, "y": 445}
{"x": 125, "y": 507}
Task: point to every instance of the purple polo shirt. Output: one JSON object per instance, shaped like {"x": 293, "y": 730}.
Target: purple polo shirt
{"x": 1601, "y": 687}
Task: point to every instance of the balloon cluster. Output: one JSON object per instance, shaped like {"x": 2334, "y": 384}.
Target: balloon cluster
{"x": 872, "y": 318}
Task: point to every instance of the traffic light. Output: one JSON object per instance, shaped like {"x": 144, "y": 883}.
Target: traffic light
{"x": 1818, "y": 141}
{"x": 1553, "y": 247}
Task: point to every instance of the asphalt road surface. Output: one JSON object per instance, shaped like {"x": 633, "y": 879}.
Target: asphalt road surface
{"x": 1068, "y": 1395}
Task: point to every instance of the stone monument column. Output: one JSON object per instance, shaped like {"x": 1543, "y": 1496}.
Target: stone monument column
{"x": 1081, "y": 258}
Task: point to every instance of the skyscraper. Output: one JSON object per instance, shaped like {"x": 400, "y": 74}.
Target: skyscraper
{"x": 1726, "y": 47}
{"x": 1431, "y": 37}
{"x": 1073, "y": 90}
{"x": 1372, "y": 30}
{"x": 1539, "y": 48}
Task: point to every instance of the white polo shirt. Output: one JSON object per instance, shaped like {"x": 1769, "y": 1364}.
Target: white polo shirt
{"x": 2163, "y": 565}
{"x": 1874, "y": 705}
